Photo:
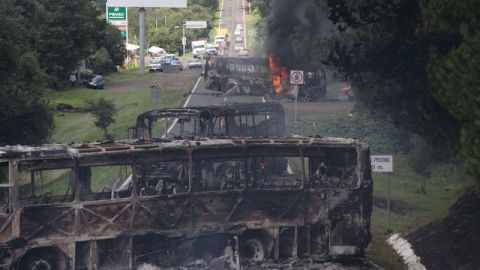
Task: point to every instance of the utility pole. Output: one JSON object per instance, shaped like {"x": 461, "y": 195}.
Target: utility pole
{"x": 141, "y": 18}
{"x": 184, "y": 40}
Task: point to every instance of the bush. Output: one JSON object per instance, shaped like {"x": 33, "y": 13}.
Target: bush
{"x": 102, "y": 62}
{"x": 103, "y": 110}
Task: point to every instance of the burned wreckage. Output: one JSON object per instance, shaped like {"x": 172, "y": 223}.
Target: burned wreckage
{"x": 226, "y": 201}
{"x": 261, "y": 76}
{"x": 225, "y": 120}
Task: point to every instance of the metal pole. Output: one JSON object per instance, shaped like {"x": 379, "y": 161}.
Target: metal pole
{"x": 296, "y": 99}
{"x": 388, "y": 198}
{"x": 141, "y": 17}
{"x": 183, "y": 40}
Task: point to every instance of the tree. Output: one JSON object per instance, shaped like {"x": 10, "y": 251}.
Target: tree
{"x": 104, "y": 111}
{"x": 111, "y": 39}
{"x": 102, "y": 62}
{"x": 62, "y": 32}
{"x": 24, "y": 116}
{"x": 455, "y": 70}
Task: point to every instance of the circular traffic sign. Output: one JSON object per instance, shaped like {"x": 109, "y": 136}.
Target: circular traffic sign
{"x": 296, "y": 77}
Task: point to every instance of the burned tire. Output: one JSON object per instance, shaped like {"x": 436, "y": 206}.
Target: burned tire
{"x": 253, "y": 250}
{"x": 48, "y": 258}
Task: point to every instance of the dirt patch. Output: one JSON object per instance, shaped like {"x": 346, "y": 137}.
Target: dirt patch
{"x": 454, "y": 242}
{"x": 396, "y": 206}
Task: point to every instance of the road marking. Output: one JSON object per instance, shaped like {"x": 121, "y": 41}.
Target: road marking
{"x": 184, "y": 105}
{"x": 244, "y": 25}
{"x": 221, "y": 12}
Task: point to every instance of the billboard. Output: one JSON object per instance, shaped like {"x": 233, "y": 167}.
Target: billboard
{"x": 118, "y": 16}
{"x": 148, "y": 3}
{"x": 195, "y": 24}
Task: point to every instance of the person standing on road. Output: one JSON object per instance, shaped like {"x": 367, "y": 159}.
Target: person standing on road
{"x": 73, "y": 79}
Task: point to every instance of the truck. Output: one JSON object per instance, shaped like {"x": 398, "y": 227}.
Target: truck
{"x": 198, "y": 48}
{"x": 222, "y": 38}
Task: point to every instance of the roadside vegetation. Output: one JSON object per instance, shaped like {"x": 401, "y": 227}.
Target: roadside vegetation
{"x": 422, "y": 189}
{"x": 131, "y": 94}
{"x": 164, "y": 25}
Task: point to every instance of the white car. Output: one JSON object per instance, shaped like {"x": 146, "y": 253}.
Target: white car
{"x": 238, "y": 47}
{"x": 243, "y": 53}
{"x": 239, "y": 39}
{"x": 237, "y": 32}
{"x": 240, "y": 26}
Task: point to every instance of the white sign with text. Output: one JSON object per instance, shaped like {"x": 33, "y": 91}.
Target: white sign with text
{"x": 382, "y": 163}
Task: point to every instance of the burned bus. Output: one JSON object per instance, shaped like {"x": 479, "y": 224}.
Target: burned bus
{"x": 234, "y": 119}
{"x": 260, "y": 76}
{"x": 67, "y": 207}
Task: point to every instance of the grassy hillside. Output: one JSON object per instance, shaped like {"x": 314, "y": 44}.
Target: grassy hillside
{"x": 128, "y": 90}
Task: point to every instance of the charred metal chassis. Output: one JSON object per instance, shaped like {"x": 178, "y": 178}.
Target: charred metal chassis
{"x": 82, "y": 230}
{"x": 209, "y": 115}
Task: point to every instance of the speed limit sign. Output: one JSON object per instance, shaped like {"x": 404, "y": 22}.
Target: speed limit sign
{"x": 296, "y": 77}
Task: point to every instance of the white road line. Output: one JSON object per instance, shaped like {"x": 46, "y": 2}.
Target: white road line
{"x": 244, "y": 25}
{"x": 221, "y": 12}
{"x": 184, "y": 105}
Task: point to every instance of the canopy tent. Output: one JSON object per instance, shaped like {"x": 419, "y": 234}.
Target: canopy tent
{"x": 154, "y": 50}
{"x": 131, "y": 47}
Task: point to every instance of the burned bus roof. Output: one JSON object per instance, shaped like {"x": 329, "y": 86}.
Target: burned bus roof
{"x": 72, "y": 150}
{"x": 214, "y": 110}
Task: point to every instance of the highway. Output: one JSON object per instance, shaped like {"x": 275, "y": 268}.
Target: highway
{"x": 232, "y": 13}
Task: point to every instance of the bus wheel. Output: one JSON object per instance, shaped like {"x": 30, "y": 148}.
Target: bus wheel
{"x": 40, "y": 264}
{"x": 46, "y": 258}
{"x": 253, "y": 250}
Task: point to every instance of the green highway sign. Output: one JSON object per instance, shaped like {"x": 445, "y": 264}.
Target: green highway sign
{"x": 116, "y": 13}
{"x": 118, "y": 16}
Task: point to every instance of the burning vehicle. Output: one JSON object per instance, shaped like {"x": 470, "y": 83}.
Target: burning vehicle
{"x": 93, "y": 206}
{"x": 262, "y": 76}
{"x": 226, "y": 120}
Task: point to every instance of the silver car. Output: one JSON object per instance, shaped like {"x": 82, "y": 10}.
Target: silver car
{"x": 155, "y": 65}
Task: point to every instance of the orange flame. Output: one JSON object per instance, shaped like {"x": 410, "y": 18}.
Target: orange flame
{"x": 277, "y": 73}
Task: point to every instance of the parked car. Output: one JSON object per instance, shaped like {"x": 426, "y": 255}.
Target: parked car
{"x": 194, "y": 63}
{"x": 239, "y": 39}
{"x": 96, "y": 82}
{"x": 176, "y": 63}
{"x": 239, "y": 26}
{"x": 156, "y": 65}
{"x": 243, "y": 53}
{"x": 167, "y": 60}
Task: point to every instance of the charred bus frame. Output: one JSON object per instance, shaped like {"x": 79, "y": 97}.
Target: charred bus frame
{"x": 234, "y": 119}
{"x": 316, "y": 206}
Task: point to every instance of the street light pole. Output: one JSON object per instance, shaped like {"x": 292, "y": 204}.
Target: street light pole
{"x": 141, "y": 17}
{"x": 184, "y": 40}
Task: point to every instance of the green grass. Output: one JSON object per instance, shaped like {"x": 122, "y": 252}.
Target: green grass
{"x": 79, "y": 126}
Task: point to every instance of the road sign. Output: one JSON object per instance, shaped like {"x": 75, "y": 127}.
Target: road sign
{"x": 382, "y": 163}
{"x": 116, "y": 13}
{"x": 296, "y": 77}
{"x": 195, "y": 24}
{"x": 118, "y": 16}
{"x": 148, "y": 3}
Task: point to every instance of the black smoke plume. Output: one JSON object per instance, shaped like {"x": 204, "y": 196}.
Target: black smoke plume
{"x": 309, "y": 16}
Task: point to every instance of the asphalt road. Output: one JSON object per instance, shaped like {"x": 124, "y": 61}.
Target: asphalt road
{"x": 233, "y": 13}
